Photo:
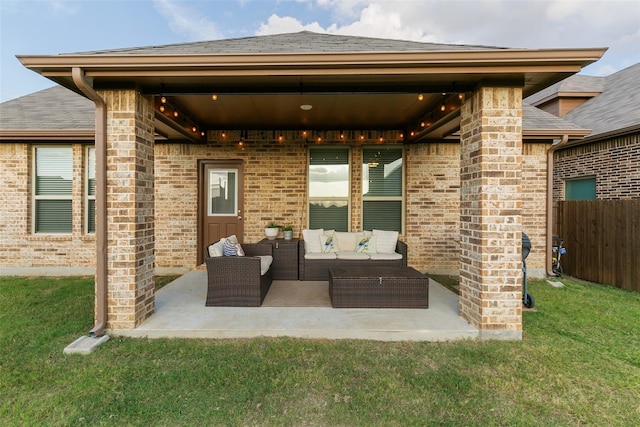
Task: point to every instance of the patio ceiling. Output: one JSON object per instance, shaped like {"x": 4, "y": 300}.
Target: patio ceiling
{"x": 347, "y": 90}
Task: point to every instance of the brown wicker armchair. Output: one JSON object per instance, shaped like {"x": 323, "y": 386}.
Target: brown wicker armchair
{"x": 236, "y": 280}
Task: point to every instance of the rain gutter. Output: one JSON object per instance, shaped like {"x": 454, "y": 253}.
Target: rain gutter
{"x": 549, "y": 245}
{"x": 101, "y": 199}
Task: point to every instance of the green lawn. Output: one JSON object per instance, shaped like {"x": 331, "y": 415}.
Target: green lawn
{"x": 578, "y": 364}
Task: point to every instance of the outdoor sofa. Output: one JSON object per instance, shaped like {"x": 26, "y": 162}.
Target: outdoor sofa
{"x": 319, "y": 250}
{"x": 240, "y": 279}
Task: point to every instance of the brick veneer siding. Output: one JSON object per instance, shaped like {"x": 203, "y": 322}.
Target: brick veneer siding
{"x": 614, "y": 163}
{"x": 433, "y": 206}
{"x": 73, "y": 253}
{"x": 130, "y": 208}
{"x": 432, "y": 202}
{"x": 490, "y": 212}
{"x": 534, "y": 204}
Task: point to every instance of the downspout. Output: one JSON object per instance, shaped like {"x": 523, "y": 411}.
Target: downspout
{"x": 550, "y": 151}
{"x": 101, "y": 200}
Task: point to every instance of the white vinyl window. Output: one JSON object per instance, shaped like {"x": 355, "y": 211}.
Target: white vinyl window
{"x": 329, "y": 188}
{"x": 382, "y": 188}
{"x": 90, "y": 191}
{"x": 53, "y": 177}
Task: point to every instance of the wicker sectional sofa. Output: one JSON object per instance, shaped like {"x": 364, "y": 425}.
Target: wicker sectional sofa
{"x": 315, "y": 260}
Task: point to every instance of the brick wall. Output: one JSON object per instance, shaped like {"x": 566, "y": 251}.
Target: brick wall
{"x": 20, "y": 248}
{"x": 490, "y": 211}
{"x": 433, "y": 206}
{"x": 271, "y": 193}
{"x": 614, "y": 163}
{"x": 130, "y": 208}
{"x": 534, "y": 203}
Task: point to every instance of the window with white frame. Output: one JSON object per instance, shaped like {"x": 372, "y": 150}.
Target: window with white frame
{"x": 53, "y": 177}
{"x": 382, "y": 188}
{"x": 90, "y": 191}
{"x": 329, "y": 188}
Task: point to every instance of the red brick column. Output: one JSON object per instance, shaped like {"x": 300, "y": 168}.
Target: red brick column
{"x": 130, "y": 209}
{"x": 490, "y": 212}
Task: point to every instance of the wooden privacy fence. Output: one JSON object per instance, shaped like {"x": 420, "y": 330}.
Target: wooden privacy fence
{"x": 602, "y": 238}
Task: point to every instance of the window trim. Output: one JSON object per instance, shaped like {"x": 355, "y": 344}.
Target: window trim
{"x": 35, "y": 197}
{"x": 86, "y": 196}
{"x": 402, "y": 198}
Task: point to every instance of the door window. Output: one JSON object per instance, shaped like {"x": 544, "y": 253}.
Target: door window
{"x": 223, "y": 192}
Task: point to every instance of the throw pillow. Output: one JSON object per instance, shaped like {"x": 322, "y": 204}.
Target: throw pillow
{"x": 239, "y": 250}
{"x": 328, "y": 244}
{"x": 366, "y": 245}
{"x": 230, "y": 249}
{"x": 217, "y": 249}
{"x": 312, "y": 240}
{"x": 385, "y": 241}
{"x": 346, "y": 241}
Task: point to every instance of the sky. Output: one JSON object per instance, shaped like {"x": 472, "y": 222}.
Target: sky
{"x": 50, "y": 27}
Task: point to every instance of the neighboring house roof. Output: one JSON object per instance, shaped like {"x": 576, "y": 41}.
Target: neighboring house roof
{"x": 47, "y": 111}
{"x": 301, "y": 42}
{"x": 572, "y": 86}
{"x": 535, "y": 120}
{"x": 616, "y": 108}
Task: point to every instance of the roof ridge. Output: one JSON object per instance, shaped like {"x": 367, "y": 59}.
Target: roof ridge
{"x": 320, "y": 42}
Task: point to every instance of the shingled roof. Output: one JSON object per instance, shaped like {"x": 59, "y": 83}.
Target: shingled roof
{"x": 536, "y": 119}
{"x": 576, "y": 84}
{"x": 616, "y": 108}
{"x": 56, "y": 108}
{"x": 301, "y": 42}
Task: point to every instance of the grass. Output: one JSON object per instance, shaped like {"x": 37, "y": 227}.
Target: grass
{"x": 578, "y": 364}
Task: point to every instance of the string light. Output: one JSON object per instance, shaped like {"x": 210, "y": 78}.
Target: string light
{"x": 420, "y": 97}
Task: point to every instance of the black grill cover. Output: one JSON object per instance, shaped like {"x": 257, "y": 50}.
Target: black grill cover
{"x": 526, "y": 246}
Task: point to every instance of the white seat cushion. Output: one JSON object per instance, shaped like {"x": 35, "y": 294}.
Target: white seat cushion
{"x": 352, "y": 255}
{"x": 328, "y": 255}
{"x": 385, "y": 257}
{"x": 265, "y": 263}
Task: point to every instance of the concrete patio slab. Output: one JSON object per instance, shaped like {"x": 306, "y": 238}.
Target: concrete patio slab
{"x": 181, "y": 313}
